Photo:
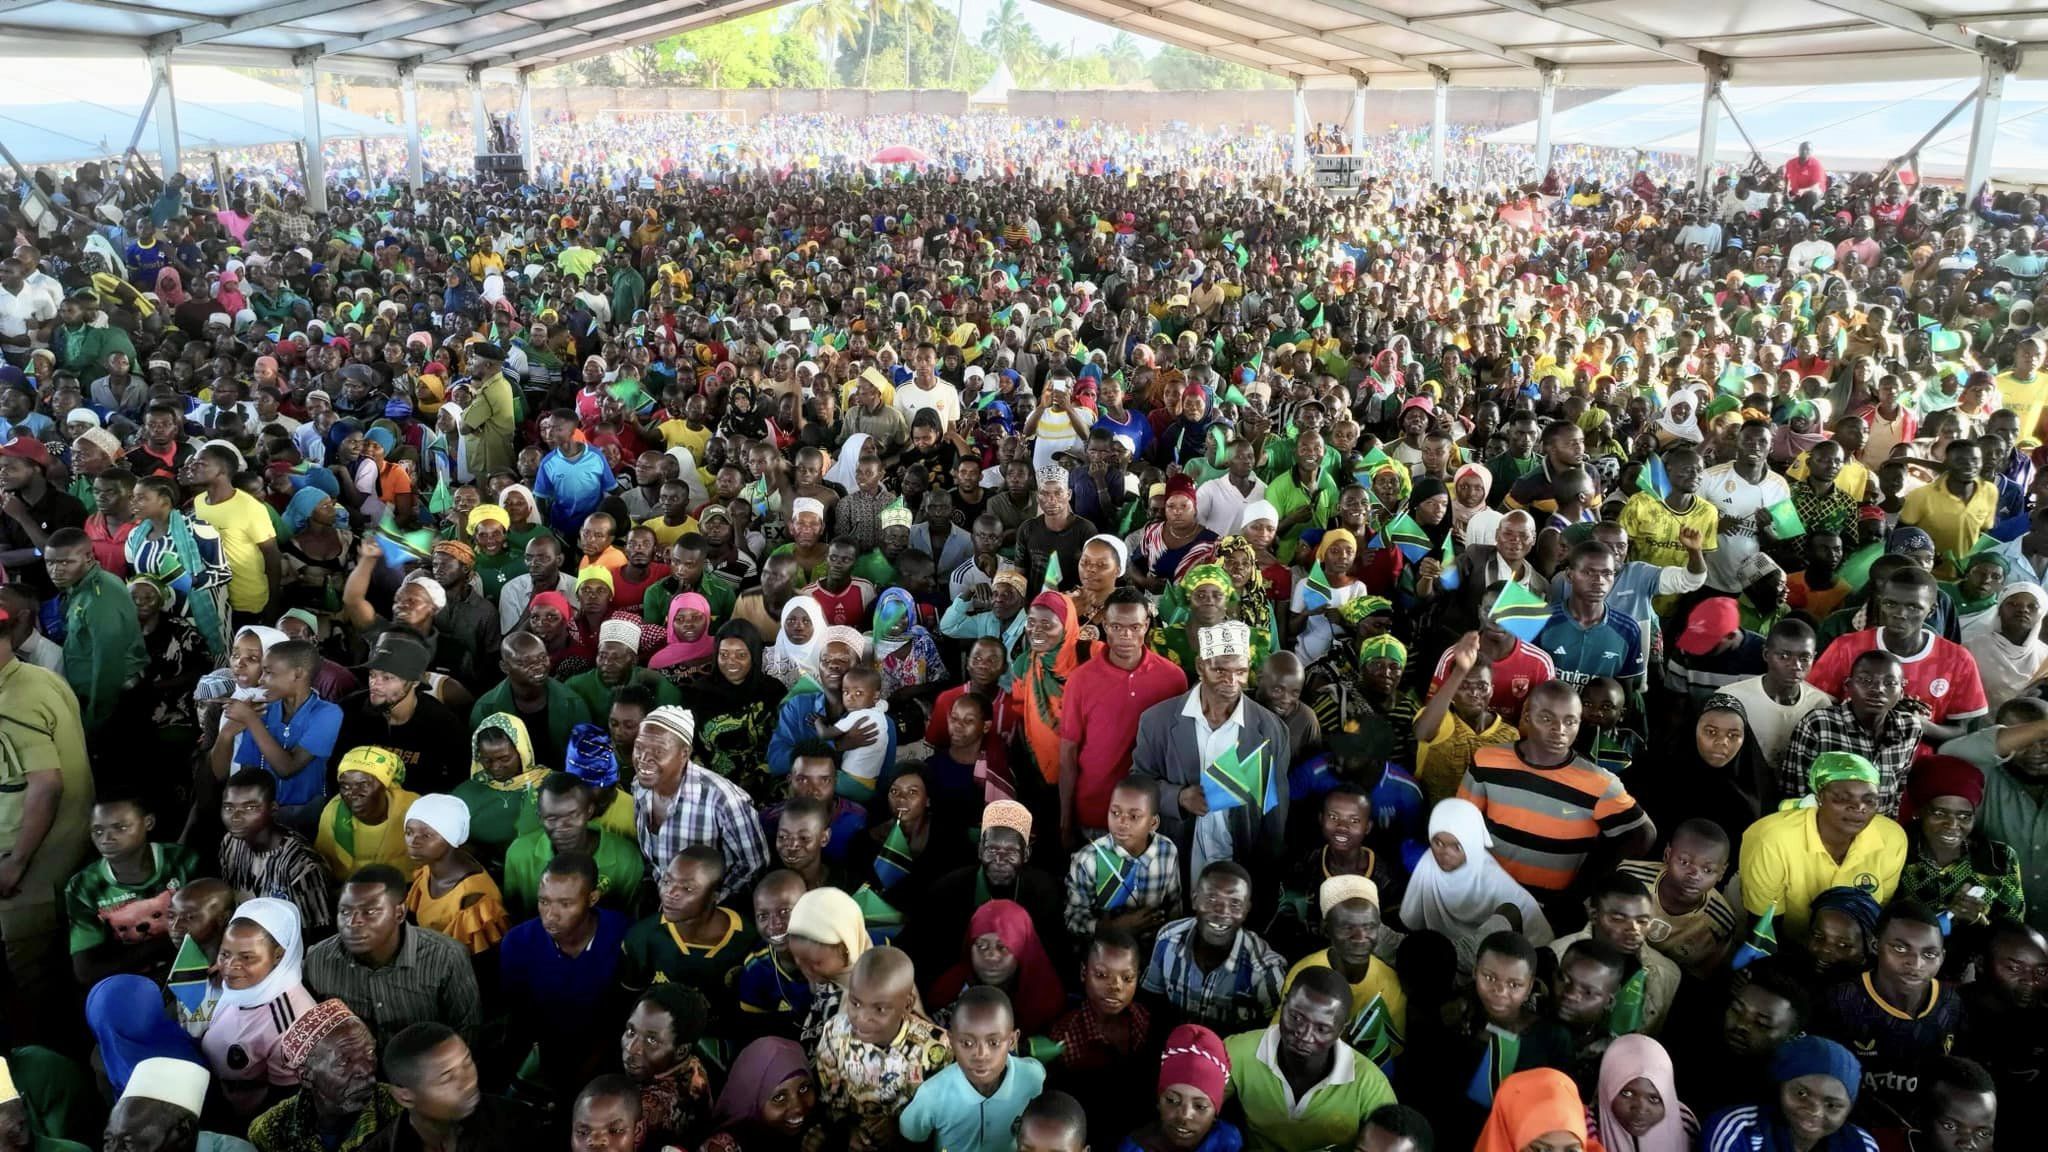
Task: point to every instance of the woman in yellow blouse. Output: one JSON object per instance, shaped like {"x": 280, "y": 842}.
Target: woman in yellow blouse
{"x": 365, "y": 824}
{"x": 451, "y": 893}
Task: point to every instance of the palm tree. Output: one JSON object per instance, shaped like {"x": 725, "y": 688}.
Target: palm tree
{"x": 831, "y": 23}
{"x": 925, "y": 15}
{"x": 959, "y": 34}
{"x": 875, "y": 10}
{"x": 1056, "y": 66}
{"x": 1009, "y": 33}
{"x": 1123, "y": 55}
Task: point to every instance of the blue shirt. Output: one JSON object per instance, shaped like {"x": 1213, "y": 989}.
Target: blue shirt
{"x": 573, "y": 488}
{"x": 535, "y": 974}
{"x": 764, "y": 988}
{"x": 793, "y": 727}
{"x": 315, "y": 728}
{"x": 962, "y": 1118}
{"x": 1612, "y": 647}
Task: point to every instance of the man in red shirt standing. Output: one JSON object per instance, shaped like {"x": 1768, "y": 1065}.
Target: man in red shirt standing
{"x": 1805, "y": 179}
{"x": 1099, "y": 726}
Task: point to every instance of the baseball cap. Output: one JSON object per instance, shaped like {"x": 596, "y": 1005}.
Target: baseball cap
{"x": 1711, "y": 622}
{"x": 27, "y": 447}
{"x": 397, "y": 654}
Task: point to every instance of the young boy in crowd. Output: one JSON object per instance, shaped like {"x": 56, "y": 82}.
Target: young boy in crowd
{"x": 1458, "y": 720}
{"x": 262, "y": 859}
{"x": 1604, "y": 735}
{"x": 1102, "y": 1046}
{"x": 1685, "y": 894}
{"x": 814, "y": 773}
{"x": 692, "y": 939}
{"x": 973, "y": 1104}
{"x": 1053, "y": 1123}
{"x": 772, "y": 992}
{"x": 803, "y": 843}
{"x": 119, "y": 906}
{"x": 1129, "y": 877}
{"x": 861, "y": 693}
{"x": 876, "y": 1054}
{"x": 1817, "y": 590}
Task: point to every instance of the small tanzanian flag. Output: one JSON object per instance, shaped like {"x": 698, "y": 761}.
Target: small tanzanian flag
{"x": 1053, "y": 575}
{"x": 1447, "y": 574}
{"x": 1762, "y": 941}
{"x": 1520, "y": 611}
{"x": 1233, "y": 781}
{"x": 1115, "y": 876}
{"x": 1315, "y": 589}
{"x": 1654, "y": 479}
{"x": 894, "y": 861}
{"x": 188, "y": 976}
{"x": 1404, "y": 533}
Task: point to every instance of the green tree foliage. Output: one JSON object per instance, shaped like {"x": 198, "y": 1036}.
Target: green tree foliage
{"x": 747, "y": 53}
{"x": 1176, "y": 69}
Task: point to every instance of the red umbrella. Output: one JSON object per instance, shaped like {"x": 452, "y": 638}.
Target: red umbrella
{"x": 900, "y": 154}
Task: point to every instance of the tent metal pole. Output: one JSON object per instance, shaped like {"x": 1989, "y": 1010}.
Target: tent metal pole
{"x": 1358, "y": 118}
{"x": 1546, "y": 105}
{"x": 156, "y": 83}
{"x": 1926, "y": 138}
{"x": 1984, "y": 126}
{"x": 1438, "y": 127}
{"x": 1754, "y": 153}
{"x": 1710, "y": 127}
{"x": 314, "y": 168}
{"x": 167, "y": 143}
{"x": 409, "y": 100}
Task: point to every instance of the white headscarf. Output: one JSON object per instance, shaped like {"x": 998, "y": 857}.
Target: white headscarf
{"x": 1688, "y": 429}
{"x": 265, "y": 635}
{"x": 493, "y": 289}
{"x": 281, "y": 920}
{"x": 841, "y": 472}
{"x": 1123, "y": 553}
{"x": 1460, "y": 904}
{"x": 532, "y": 501}
{"x": 802, "y": 657}
{"x": 687, "y": 460}
{"x": 2005, "y": 667}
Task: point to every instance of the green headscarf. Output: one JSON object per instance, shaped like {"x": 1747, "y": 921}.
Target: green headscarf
{"x": 1382, "y": 647}
{"x": 1832, "y": 768}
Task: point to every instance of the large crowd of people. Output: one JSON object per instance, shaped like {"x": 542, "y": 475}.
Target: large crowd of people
{"x": 979, "y": 659}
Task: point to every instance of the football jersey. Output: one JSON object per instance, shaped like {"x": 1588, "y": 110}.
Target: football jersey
{"x": 1943, "y": 674}
{"x": 1893, "y": 1045}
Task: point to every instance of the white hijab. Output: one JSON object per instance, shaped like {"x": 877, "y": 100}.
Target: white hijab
{"x": 281, "y": 920}
{"x": 1461, "y": 904}
{"x": 687, "y": 461}
{"x": 841, "y": 472}
{"x": 1687, "y": 429}
{"x": 2005, "y": 667}
{"x": 533, "y": 518}
{"x": 801, "y": 657}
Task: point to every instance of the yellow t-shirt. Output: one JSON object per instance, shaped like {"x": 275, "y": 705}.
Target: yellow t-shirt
{"x": 1378, "y": 1027}
{"x": 667, "y": 534}
{"x": 1784, "y": 865}
{"x": 2028, "y": 397}
{"x": 1653, "y": 529}
{"x": 1442, "y": 760}
{"x": 1954, "y": 524}
{"x": 244, "y": 526}
{"x": 676, "y": 434}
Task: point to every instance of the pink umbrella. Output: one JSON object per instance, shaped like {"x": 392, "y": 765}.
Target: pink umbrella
{"x": 900, "y": 154}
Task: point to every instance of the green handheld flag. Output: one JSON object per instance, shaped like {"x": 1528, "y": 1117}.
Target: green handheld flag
{"x": 1053, "y": 575}
{"x": 1762, "y": 941}
{"x": 1315, "y": 589}
{"x": 1785, "y": 521}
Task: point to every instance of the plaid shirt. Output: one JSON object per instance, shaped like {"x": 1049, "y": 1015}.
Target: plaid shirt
{"x": 708, "y": 809}
{"x": 1084, "y": 1047}
{"x": 1835, "y": 729}
{"x": 1984, "y": 861}
{"x": 1240, "y": 993}
{"x": 1155, "y": 882}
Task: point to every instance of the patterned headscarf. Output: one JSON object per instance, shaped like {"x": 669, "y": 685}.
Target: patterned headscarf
{"x": 1382, "y": 648}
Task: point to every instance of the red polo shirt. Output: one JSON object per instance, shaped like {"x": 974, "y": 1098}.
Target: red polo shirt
{"x": 1101, "y": 710}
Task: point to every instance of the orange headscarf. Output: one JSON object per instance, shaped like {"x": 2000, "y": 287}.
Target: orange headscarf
{"x": 1528, "y": 1105}
{"x": 1039, "y": 685}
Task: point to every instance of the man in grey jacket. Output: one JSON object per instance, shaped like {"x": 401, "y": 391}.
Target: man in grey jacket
{"x": 1180, "y": 737}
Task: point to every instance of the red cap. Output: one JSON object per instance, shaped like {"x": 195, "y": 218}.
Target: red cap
{"x": 27, "y": 447}
{"x": 1712, "y": 621}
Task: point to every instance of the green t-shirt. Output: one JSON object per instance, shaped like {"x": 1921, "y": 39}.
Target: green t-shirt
{"x": 619, "y": 867}
{"x": 655, "y": 953}
{"x": 102, "y": 908}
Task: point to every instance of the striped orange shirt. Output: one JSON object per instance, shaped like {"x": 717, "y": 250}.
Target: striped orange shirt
{"x": 1544, "y": 821}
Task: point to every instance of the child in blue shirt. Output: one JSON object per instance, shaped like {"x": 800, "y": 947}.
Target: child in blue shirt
{"x": 973, "y": 1105}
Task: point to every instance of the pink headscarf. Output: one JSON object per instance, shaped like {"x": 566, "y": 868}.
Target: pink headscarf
{"x": 228, "y": 294}
{"x": 681, "y": 651}
{"x": 170, "y": 288}
{"x": 1459, "y": 513}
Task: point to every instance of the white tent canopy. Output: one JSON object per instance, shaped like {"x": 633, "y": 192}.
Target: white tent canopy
{"x": 1851, "y": 126}
{"x": 59, "y": 111}
{"x": 997, "y": 90}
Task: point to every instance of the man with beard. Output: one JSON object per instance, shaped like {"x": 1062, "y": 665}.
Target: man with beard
{"x": 1299, "y": 1084}
{"x": 394, "y": 713}
{"x": 340, "y": 1106}
{"x": 159, "y": 1110}
{"x": 2007, "y": 995}
{"x": 1378, "y": 1023}
{"x": 434, "y": 1078}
